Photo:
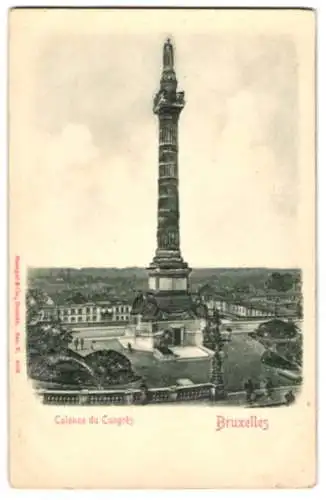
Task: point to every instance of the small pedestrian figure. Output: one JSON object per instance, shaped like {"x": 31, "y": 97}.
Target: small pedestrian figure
{"x": 129, "y": 398}
{"x": 289, "y": 397}
{"x": 249, "y": 388}
{"x": 129, "y": 347}
{"x": 92, "y": 345}
{"x": 173, "y": 393}
{"x": 76, "y": 342}
{"x": 82, "y": 343}
{"x": 143, "y": 385}
{"x": 269, "y": 388}
{"x": 262, "y": 388}
{"x": 144, "y": 391}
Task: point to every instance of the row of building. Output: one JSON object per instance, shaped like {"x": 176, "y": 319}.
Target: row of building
{"x": 101, "y": 312}
{"x": 106, "y": 312}
{"x": 118, "y": 311}
{"x": 239, "y": 309}
{"x": 281, "y": 304}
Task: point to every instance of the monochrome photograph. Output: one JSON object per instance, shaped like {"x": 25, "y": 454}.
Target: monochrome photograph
{"x": 169, "y": 333}
{"x": 162, "y": 247}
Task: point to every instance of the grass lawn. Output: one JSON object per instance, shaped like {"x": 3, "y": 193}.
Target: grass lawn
{"x": 156, "y": 372}
{"x": 242, "y": 361}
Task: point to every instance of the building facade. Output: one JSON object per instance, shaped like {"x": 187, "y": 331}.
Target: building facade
{"x": 265, "y": 306}
{"x": 239, "y": 309}
{"x": 89, "y": 313}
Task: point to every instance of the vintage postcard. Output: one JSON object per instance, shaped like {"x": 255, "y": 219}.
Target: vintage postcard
{"x": 162, "y": 248}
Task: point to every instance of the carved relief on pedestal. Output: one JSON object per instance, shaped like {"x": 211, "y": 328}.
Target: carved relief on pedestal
{"x": 169, "y": 220}
{"x": 168, "y": 238}
{"x": 168, "y": 170}
{"x": 169, "y": 190}
{"x": 166, "y": 155}
{"x": 163, "y": 241}
{"x": 173, "y": 239}
{"x": 180, "y": 98}
{"x": 168, "y": 133}
{"x": 171, "y": 203}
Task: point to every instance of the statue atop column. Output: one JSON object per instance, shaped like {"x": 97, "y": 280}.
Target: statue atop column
{"x": 168, "y": 59}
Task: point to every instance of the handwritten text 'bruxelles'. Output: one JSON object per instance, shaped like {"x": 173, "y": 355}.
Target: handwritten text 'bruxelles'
{"x": 250, "y": 422}
{"x": 92, "y": 420}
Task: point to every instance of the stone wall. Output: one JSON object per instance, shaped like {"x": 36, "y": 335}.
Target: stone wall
{"x": 197, "y": 370}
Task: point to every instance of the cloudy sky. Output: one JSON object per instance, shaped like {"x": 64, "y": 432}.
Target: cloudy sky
{"x": 96, "y": 167}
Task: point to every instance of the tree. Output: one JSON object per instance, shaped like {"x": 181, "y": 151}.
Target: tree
{"x": 48, "y": 338}
{"x": 77, "y": 298}
{"x": 280, "y": 282}
{"x": 43, "y": 338}
{"x": 212, "y": 336}
{"x": 243, "y": 288}
{"x": 283, "y": 341}
{"x": 35, "y": 301}
{"x": 213, "y": 341}
{"x": 36, "y": 296}
{"x": 217, "y": 375}
{"x": 277, "y": 329}
{"x": 299, "y": 309}
{"x": 294, "y": 351}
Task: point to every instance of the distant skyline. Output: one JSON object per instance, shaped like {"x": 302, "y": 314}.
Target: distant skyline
{"x": 194, "y": 268}
{"x": 97, "y": 153}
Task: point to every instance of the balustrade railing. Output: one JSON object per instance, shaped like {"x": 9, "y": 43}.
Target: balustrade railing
{"x": 177, "y": 394}
{"x": 126, "y": 397}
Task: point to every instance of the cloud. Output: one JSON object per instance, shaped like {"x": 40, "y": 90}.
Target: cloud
{"x": 95, "y": 169}
{"x": 87, "y": 207}
{"x": 66, "y": 164}
{"x": 74, "y": 146}
{"x": 241, "y": 206}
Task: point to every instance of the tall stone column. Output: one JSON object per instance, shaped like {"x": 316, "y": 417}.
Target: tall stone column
{"x": 168, "y": 104}
{"x": 168, "y": 265}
